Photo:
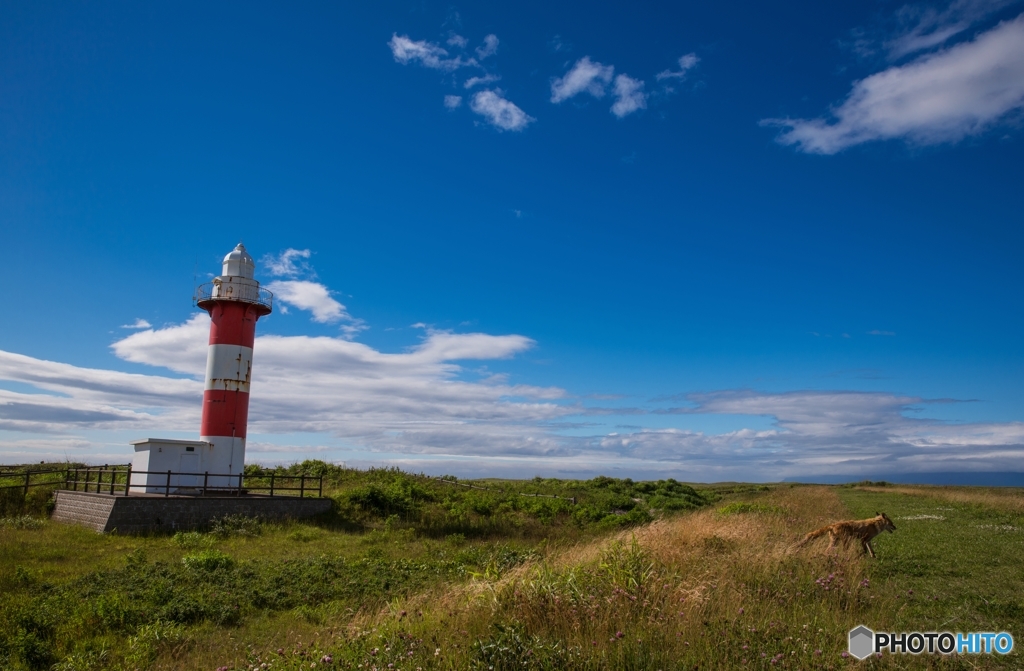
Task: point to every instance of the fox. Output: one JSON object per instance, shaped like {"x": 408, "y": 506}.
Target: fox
{"x": 862, "y": 530}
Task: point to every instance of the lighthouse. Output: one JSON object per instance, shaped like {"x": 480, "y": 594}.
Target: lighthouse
{"x": 235, "y": 301}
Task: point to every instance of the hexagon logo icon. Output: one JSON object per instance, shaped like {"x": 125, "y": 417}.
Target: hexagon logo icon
{"x": 862, "y": 642}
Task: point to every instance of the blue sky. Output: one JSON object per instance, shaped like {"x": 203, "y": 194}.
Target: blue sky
{"x": 722, "y": 241}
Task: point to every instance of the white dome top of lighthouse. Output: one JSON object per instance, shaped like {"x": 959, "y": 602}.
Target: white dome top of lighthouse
{"x": 238, "y": 263}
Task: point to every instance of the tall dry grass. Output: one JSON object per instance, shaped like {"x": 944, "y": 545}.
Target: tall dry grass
{"x": 707, "y": 589}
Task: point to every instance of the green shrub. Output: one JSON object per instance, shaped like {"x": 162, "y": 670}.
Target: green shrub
{"x": 208, "y": 560}
{"x": 304, "y": 534}
{"x": 192, "y": 540}
{"x": 511, "y": 648}
{"x": 21, "y": 522}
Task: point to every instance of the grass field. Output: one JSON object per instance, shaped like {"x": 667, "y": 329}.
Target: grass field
{"x": 409, "y": 572}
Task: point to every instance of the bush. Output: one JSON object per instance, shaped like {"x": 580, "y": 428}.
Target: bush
{"x": 208, "y": 560}
{"x": 21, "y": 522}
{"x": 191, "y": 540}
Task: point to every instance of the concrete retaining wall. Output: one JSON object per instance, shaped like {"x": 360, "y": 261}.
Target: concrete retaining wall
{"x": 141, "y": 514}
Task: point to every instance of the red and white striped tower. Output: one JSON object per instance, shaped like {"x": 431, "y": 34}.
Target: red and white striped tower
{"x": 235, "y": 301}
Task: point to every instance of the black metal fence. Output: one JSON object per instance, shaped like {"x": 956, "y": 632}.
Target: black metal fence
{"x": 109, "y": 479}
{"x": 25, "y": 480}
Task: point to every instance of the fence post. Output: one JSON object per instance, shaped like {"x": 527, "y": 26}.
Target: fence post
{"x": 128, "y": 480}
{"x": 272, "y": 483}
{"x": 113, "y": 476}
{"x": 320, "y": 488}
{"x": 67, "y": 477}
{"x": 239, "y": 484}
{"x": 28, "y": 474}
{"x": 302, "y": 485}
{"x": 167, "y": 489}
{"x": 206, "y": 481}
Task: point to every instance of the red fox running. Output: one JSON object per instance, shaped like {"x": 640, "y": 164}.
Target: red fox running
{"x": 862, "y": 530}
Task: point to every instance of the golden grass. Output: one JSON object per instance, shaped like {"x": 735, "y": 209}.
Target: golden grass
{"x": 659, "y": 585}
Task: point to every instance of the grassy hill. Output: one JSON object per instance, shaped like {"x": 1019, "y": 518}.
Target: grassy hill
{"x": 416, "y": 572}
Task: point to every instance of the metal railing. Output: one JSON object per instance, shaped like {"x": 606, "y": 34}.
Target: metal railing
{"x": 26, "y": 479}
{"x": 233, "y": 292}
{"x": 119, "y": 481}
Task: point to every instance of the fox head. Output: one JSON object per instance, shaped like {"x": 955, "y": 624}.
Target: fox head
{"x": 887, "y": 524}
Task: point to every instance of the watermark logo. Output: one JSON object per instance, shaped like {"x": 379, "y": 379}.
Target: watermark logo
{"x": 864, "y": 642}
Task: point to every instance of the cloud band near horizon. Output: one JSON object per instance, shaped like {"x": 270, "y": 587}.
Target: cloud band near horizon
{"x": 424, "y": 404}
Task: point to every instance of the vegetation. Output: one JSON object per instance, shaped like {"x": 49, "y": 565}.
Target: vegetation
{"x": 413, "y": 572}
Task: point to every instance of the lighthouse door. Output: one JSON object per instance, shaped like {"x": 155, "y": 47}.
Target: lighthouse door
{"x": 189, "y": 468}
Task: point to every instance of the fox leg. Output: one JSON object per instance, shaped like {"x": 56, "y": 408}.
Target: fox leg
{"x": 832, "y": 538}
{"x": 868, "y": 549}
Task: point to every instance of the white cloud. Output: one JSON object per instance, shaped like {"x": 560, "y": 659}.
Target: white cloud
{"x": 75, "y": 397}
{"x": 413, "y": 401}
{"x": 137, "y": 324}
{"x": 458, "y": 41}
{"x": 827, "y": 433}
{"x": 686, "y": 63}
{"x": 877, "y": 332}
{"x": 940, "y": 97}
{"x": 289, "y": 263}
{"x": 428, "y": 54}
{"x": 187, "y": 344}
{"x": 486, "y": 79}
{"x": 452, "y": 102}
{"x": 418, "y": 402}
{"x": 925, "y": 27}
{"x": 499, "y": 112}
{"x": 585, "y": 76}
{"x": 489, "y": 47}
{"x": 311, "y": 296}
{"x": 629, "y": 96}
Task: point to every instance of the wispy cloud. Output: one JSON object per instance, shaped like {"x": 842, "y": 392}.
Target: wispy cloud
{"x": 924, "y": 27}
{"x": 137, "y": 324}
{"x": 584, "y": 76}
{"x": 629, "y": 96}
{"x": 877, "y": 332}
{"x": 557, "y": 44}
{"x": 289, "y": 263}
{"x": 427, "y": 54}
{"x": 452, "y": 102}
{"x": 501, "y": 113}
{"x": 937, "y": 98}
{"x": 686, "y": 63}
{"x": 475, "y": 81}
{"x": 488, "y": 48}
{"x": 457, "y": 41}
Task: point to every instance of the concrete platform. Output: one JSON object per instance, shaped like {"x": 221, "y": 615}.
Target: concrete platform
{"x": 144, "y": 513}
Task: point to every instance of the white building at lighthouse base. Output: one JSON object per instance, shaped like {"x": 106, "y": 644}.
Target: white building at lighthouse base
{"x": 163, "y": 466}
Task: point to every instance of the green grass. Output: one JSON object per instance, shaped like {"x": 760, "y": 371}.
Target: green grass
{"x": 413, "y": 572}
{"x": 963, "y": 572}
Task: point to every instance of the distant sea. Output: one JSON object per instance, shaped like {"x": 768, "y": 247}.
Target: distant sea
{"x": 1001, "y": 479}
